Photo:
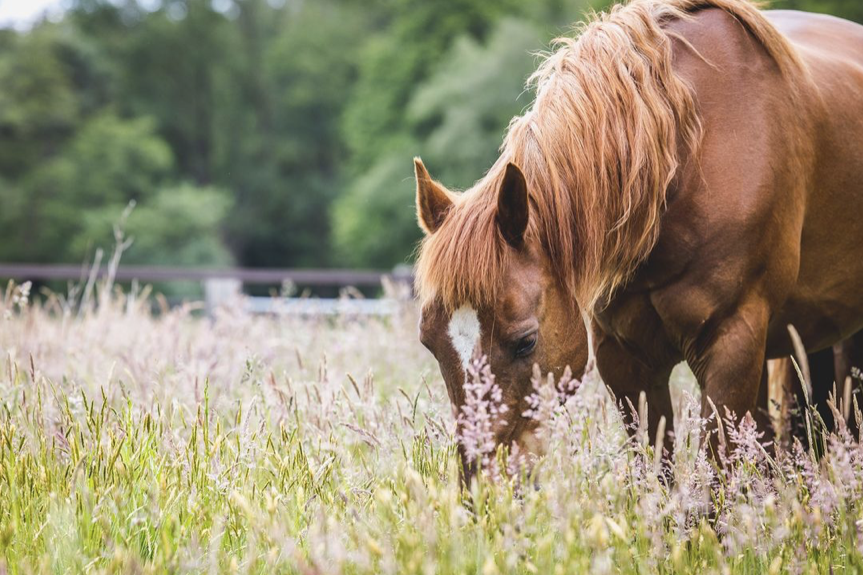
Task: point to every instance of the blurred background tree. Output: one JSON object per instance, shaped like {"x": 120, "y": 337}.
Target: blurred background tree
{"x": 259, "y": 132}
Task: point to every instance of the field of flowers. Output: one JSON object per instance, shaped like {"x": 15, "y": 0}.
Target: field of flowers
{"x": 142, "y": 442}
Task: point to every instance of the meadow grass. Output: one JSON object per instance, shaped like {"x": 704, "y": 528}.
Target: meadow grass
{"x": 133, "y": 442}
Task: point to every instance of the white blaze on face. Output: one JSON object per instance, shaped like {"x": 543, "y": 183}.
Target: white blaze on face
{"x": 464, "y": 334}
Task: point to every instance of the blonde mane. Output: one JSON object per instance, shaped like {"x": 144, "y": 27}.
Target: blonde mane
{"x": 599, "y": 148}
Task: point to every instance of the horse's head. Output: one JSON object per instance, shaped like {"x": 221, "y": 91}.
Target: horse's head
{"x": 527, "y": 319}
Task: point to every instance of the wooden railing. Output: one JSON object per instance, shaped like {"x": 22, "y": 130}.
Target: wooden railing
{"x": 313, "y": 277}
{"x": 221, "y": 285}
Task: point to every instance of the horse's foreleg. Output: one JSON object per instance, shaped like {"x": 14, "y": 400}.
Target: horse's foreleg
{"x": 627, "y": 377}
{"x": 728, "y": 362}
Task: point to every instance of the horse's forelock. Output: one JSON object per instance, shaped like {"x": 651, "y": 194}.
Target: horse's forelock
{"x": 463, "y": 261}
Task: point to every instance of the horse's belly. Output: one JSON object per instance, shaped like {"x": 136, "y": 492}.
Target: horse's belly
{"x": 825, "y": 303}
{"x": 819, "y": 323}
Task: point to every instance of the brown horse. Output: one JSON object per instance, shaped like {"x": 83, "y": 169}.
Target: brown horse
{"x": 691, "y": 173}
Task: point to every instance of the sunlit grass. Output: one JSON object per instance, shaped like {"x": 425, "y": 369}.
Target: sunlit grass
{"x": 133, "y": 442}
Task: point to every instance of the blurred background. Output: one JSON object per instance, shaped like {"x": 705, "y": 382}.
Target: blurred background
{"x": 256, "y": 133}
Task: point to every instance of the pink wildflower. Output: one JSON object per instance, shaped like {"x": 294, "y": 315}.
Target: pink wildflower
{"x": 481, "y": 414}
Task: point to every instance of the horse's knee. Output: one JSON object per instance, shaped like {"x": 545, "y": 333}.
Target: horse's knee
{"x": 728, "y": 362}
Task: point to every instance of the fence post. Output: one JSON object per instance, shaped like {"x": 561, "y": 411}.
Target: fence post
{"x": 220, "y": 290}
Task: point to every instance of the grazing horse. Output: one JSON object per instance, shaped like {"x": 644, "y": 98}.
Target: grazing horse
{"x": 690, "y": 176}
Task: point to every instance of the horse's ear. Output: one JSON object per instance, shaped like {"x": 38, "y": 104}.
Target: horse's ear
{"x": 433, "y": 201}
{"x": 513, "y": 206}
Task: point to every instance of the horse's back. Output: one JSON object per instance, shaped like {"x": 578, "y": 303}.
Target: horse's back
{"x": 820, "y": 37}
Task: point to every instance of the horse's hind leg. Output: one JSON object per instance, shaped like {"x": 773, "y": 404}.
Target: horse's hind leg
{"x": 848, "y": 361}
{"x": 822, "y": 367}
{"x": 837, "y": 365}
{"x": 822, "y": 374}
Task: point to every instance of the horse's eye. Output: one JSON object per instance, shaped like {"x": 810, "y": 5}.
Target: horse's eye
{"x": 526, "y": 345}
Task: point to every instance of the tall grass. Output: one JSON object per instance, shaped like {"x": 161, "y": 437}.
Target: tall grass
{"x": 140, "y": 443}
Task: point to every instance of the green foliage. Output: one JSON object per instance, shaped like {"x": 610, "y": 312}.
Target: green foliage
{"x": 848, "y": 9}
{"x": 471, "y": 98}
{"x": 105, "y": 165}
{"x": 40, "y": 104}
{"x": 291, "y": 175}
{"x": 459, "y": 115}
{"x": 395, "y": 62}
{"x": 69, "y": 164}
{"x": 179, "y": 225}
{"x": 182, "y": 72}
{"x": 109, "y": 161}
{"x": 374, "y": 221}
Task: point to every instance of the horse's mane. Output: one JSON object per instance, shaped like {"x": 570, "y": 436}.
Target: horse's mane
{"x": 599, "y": 148}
